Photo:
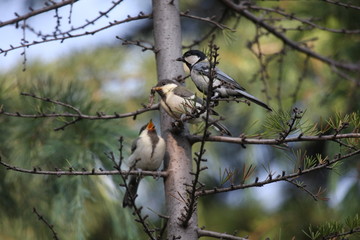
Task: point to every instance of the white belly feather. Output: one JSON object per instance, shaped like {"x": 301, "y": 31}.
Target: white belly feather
{"x": 144, "y": 156}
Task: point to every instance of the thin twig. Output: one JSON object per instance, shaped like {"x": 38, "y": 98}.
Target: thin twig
{"x": 342, "y": 4}
{"x": 191, "y": 201}
{"x": 272, "y": 141}
{"x": 70, "y": 36}
{"x": 207, "y": 233}
{"x": 207, "y": 19}
{"x": 304, "y": 21}
{"x": 137, "y": 210}
{"x": 303, "y": 188}
{"x": 78, "y": 115}
{"x": 50, "y": 226}
{"x": 337, "y": 235}
{"x": 37, "y": 12}
{"x": 279, "y": 178}
{"x": 287, "y": 41}
{"x": 72, "y": 172}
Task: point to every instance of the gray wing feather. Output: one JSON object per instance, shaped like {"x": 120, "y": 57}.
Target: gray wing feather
{"x": 183, "y": 92}
{"x": 204, "y": 69}
{"x": 134, "y": 145}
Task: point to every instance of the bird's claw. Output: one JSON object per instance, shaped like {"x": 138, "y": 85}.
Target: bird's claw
{"x": 157, "y": 175}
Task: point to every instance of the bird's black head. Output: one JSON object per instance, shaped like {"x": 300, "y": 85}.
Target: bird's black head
{"x": 197, "y": 53}
{"x": 192, "y": 57}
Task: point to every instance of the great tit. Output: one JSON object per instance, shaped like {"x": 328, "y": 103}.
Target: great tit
{"x": 223, "y": 85}
{"x": 147, "y": 153}
{"x": 182, "y": 104}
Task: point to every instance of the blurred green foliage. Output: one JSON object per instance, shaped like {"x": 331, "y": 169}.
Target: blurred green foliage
{"x": 79, "y": 207}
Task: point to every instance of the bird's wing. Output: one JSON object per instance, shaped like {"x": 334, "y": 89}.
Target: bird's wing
{"x": 228, "y": 81}
{"x": 183, "y": 92}
{"x": 192, "y": 99}
{"x": 134, "y": 145}
{"x": 204, "y": 69}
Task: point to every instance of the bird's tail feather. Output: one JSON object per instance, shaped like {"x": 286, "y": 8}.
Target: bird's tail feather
{"x": 254, "y": 99}
{"x": 221, "y": 128}
{"x": 132, "y": 189}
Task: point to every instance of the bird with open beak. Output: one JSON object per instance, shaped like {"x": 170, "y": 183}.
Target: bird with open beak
{"x": 147, "y": 153}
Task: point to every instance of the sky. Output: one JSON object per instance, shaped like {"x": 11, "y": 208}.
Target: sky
{"x": 45, "y": 22}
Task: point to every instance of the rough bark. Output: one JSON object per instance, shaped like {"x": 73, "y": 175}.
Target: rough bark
{"x": 167, "y": 35}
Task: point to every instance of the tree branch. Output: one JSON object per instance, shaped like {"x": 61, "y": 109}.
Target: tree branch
{"x": 37, "y": 12}
{"x": 240, "y": 9}
{"x": 191, "y": 199}
{"x": 144, "y": 45}
{"x": 336, "y": 235}
{"x": 279, "y": 178}
{"x": 65, "y": 36}
{"x": 137, "y": 210}
{"x": 207, "y": 233}
{"x": 78, "y": 115}
{"x": 275, "y": 141}
{"x": 84, "y": 172}
{"x": 304, "y": 21}
{"x": 208, "y": 20}
{"x": 73, "y": 29}
{"x": 339, "y": 3}
{"x": 50, "y": 226}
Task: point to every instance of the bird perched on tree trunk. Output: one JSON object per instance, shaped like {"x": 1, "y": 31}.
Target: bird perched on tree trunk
{"x": 223, "y": 85}
{"x": 182, "y": 104}
{"x": 147, "y": 153}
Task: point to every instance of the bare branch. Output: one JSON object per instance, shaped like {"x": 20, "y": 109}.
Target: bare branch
{"x": 302, "y": 187}
{"x": 240, "y": 9}
{"x": 304, "y": 21}
{"x": 63, "y": 37}
{"x": 342, "y": 4}
{"x": 78, "y": 115}
{"x": 207, "y": 233}
{"x": 89, "y": 22}
{"x": 54, "y": 6}
{"x": 50, "y": 226}
{"x": 144, "y": 45}
{"x": 274, "y": 141}
{"x": 191, "y": 200}
{"x": 209, "y": 33}
{"x": 82, "y": 116}
{"x": 208, "y": 20}
{"x": 84, "y": 172}
{"x": 137, "y": 210}
{"x": 279, "y": 178}
{"x": 337, "y": 235}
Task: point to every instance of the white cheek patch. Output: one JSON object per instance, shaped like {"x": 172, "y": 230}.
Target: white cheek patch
{"x": 192, "y": 59}
{"x": 168, "y": 88}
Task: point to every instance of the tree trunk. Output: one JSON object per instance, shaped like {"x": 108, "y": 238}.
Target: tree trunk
{"x": 167, "y": 35}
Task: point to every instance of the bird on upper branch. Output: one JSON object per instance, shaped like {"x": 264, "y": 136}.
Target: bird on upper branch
{"x": 147, "y": 153}
{"x": 223, "y": 85}
{"x": 182, "y": 104}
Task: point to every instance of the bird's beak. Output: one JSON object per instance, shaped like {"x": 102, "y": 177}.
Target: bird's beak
{"x": 150, "y": 126}
{"x": 180, "y": 59}
{"x": 156, "y": 89}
